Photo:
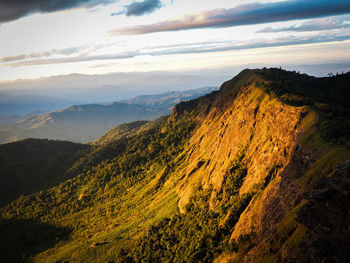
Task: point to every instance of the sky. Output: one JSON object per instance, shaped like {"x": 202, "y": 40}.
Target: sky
{"x": 42, "y": 38}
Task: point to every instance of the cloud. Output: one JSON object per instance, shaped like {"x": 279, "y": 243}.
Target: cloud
{"x": 82, "y": 53}
{"x": 192, "y": 49}
{"x": 247, "y": 14}
{"x": 75, "y": 59}
{"x": 65, "y": 51}
{"x": 313, "y": 25}
{"x": 69, "y": 53}
{"x": 14, "y": 9}
{"x": 142, "y": 8}
{"x": 252, "y": 44}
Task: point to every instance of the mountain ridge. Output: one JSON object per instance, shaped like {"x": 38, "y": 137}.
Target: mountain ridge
{"x": 239, "y": 175}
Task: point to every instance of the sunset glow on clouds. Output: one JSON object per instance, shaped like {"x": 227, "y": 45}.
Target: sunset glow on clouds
{"x": 45, "y": 38}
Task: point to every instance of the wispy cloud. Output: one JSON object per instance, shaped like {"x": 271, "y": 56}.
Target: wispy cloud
{"x": 69, "y": 53}
{"x": 83, "y": 53}
{"x": 254, "y": 13}
{"x": 75, "y": 59}
{"x": 313, "y": 25}
{"x": 13, "y": 9}
{"x": 66, "y": 51}
{"x": 192, "y": 49}
{"x": 140, "y": 8}
{"x": 252, "y": 44}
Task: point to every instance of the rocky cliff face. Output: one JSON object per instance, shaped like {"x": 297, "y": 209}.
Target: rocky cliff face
{"x": 259, "y": 130}
{"x": 276, "y": 142}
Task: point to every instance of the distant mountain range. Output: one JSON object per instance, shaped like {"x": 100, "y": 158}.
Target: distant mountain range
{"x": 84, "y": 123}
{"x": 29, "y": 104}
{"x": 169, "y": 99}
{"x": 107, "y": 88}
{"x": 78, "y": 123}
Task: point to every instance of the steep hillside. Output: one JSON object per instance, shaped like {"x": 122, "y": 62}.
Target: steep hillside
{"x": 255, "y": 172}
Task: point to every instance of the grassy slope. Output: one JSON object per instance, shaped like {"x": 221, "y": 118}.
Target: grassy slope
{"x": 126, "y": 189}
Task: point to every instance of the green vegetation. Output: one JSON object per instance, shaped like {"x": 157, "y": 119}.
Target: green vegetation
{"x": 325, "y": 165}
{"x": 208, "y": 229}
{"x": 122, "y": 131}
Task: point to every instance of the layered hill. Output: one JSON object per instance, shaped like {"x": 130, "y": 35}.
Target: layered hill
{"x": 78, "y": 123}
{"x": 11, "y": 104}
{"x": 169, "y": 99}
{"x": 85, "y": 123}
{"x": 255, "y": 172}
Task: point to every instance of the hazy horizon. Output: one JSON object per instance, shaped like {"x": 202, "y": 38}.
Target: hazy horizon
{"x": 101, "y": 51}
{"x": 109, "y": 87}
{"x": 49, "y": 38}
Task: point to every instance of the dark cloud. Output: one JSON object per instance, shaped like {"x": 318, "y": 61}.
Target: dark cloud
{"x": 248, "y": 14}
{"x": 313, "y": 25}
{"x": 140, "y": 8}
{"x": 13, "y": 9}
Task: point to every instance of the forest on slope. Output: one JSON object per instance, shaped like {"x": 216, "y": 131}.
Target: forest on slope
{"x": 255, "y": 172}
